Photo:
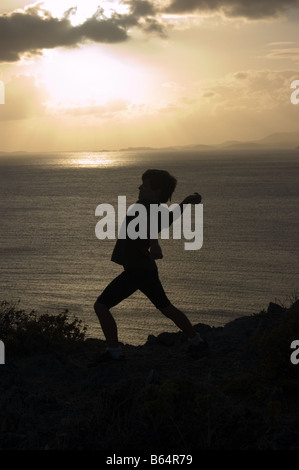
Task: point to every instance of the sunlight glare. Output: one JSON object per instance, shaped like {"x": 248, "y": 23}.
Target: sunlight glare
{"x": 102, "y": 77}
{"x": 92, "y": 161}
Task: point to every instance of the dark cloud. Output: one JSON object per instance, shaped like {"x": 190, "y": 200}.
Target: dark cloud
{"x": 71, "y": 11}
{"x": 241, "y": 75}
{"x": 251, "y": 9}
{"x": 34, "y": 29}
{"x": 30, "y": 31}
{"x": 141, "y": 8}
{"x": 151, "y": 25}
{"x": 103, "y": 30}
{"x": 142, "y": 14}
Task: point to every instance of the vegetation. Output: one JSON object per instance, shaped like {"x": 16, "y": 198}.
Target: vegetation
{"x": 25, "y": 332}
{"x": 243, "y": 397}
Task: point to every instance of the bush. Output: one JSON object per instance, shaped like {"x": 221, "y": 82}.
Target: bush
{"x": 273, "y": 347}
{"x": 30, "y": 331}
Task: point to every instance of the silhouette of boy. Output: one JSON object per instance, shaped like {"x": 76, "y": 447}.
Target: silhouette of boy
{"x": 140, "y": 270}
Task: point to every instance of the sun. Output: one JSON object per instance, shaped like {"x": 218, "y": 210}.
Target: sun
{"x": 95, "y": 79}
{"x": 92, "y": 75}
{"x": 89, "y": 75}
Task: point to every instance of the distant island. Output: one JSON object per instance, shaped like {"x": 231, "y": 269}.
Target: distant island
{"x": 278, "y": 140}
{"x": 287, "y": 140}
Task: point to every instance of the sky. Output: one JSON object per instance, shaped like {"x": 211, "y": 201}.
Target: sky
{"x": 83, "y": 75}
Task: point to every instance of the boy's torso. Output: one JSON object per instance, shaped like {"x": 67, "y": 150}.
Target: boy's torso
{"x": 133, "y": 253}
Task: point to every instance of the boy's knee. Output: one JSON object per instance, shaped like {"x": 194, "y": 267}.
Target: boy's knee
{"x": 99, "y": 308}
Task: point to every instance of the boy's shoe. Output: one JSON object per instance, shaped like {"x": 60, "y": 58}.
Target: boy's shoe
{"x": 199, "y": 349}
{"x": 106, "y": 357}
{"x": 99, "y": 358}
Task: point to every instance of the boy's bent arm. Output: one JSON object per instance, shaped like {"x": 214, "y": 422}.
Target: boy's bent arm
{"x": 155, "y": 249}
{"x": 194, "y": 198}
{"x": 166, "y": 216}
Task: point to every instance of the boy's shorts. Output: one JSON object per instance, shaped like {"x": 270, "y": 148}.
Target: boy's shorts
{"x": 131, "y": 280}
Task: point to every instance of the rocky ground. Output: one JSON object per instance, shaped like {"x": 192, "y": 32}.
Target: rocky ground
{"x": 243, "y": 395}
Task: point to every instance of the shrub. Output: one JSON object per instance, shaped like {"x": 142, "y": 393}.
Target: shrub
{"x": 273, "y": 346}
{"x": 30, "y": 331}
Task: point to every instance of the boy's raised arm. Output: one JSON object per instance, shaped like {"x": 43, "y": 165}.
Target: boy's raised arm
{"x": 194, "y": 198}
{"x": 155, "y": 249}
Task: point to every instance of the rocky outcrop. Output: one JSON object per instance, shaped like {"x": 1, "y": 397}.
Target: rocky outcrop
{"x": 243, "y": 395}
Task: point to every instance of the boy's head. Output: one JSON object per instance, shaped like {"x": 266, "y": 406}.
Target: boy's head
{"x": 159, "y": 184}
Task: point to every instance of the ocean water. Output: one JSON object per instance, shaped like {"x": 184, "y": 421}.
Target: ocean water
{"x": 51, "y": 259}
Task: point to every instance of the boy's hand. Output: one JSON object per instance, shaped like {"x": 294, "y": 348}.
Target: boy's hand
{"x": 155, "y": 251}
{"x": 194, "y": 198}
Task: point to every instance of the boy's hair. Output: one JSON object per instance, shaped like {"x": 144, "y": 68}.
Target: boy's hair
{"x": 161, "y": 179}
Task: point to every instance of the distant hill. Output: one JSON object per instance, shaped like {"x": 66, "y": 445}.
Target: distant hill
{"x": 275, "y": 140}
{"x": 18, "y": 152}
{"x": 240, "y": 145}
{"x": 133, "y": 149}
{"x": 289, "y": 138}
{"x": 282, "y": 140}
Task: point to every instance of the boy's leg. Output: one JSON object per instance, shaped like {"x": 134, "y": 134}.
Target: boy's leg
{"x": 108, "y": 324}
{"x": 154, "y": 290}
{"x": 196, "y": 344}
{"x": 119, "y": 289}
{"x": 180, "y": 320}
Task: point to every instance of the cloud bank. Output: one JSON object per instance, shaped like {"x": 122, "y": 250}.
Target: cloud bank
{"x": 253, "y": 9}
{"x": 33, "y": 29}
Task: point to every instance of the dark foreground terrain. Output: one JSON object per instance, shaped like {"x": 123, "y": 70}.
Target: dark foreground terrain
{"x": 243, "y": 396}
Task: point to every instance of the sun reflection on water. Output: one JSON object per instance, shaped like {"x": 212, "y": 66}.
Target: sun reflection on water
{"x": 93, "y": 161}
